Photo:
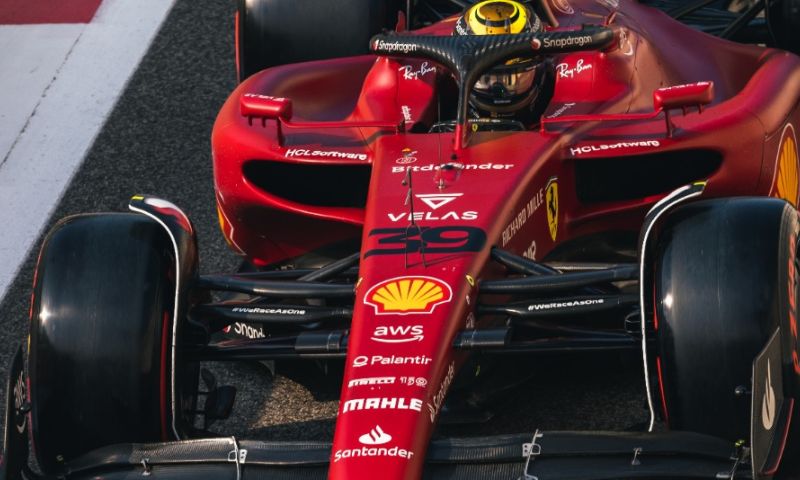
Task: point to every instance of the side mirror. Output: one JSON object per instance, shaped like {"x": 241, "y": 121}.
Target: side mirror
{"x": 254, "y": 105}
{"x": 683, "y": 96}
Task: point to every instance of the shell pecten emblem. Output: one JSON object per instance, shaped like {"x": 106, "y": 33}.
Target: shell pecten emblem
{"x": 786, "y": 176}
{"x": 408, "y": 295}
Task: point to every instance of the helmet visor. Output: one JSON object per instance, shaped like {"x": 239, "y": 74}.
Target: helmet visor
{"x": 506, "y": 81}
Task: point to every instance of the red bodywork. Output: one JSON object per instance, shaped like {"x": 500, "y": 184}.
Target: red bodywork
{"x": 283, "y": 192}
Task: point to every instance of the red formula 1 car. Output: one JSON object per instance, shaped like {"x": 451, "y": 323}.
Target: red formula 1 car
{"x": 648, "y": 206}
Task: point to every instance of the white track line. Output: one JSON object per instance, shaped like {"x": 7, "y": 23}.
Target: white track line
{"x": 66, "y": 119}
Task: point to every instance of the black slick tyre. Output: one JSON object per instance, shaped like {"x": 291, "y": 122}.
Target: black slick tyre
{"x": 99, "y": 335}
{"x": 276, "y": 32}
{"x": 722, "y": 275}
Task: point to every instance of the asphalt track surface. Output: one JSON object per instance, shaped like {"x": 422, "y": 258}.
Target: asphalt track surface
{"x": 157, "y": 141}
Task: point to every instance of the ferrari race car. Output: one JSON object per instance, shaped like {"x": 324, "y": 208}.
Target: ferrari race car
{"x": 400, "y": 224}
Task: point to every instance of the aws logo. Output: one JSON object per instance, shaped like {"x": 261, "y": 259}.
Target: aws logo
{"x": 407, "y": 295}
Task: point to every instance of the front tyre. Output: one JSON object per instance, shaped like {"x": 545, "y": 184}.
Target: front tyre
{"x": 100, "y": 332}
{"x": 724, "y": 280}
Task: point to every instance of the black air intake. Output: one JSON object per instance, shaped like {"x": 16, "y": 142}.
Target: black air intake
{"x": 319, "y": 185}
{"x": 638, "y": 176}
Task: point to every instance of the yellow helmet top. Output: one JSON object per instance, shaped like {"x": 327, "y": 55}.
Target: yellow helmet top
{"x": 494, "y": 17}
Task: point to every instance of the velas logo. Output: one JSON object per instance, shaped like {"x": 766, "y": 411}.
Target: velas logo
{"x": 408, "y": 295}
{"x": 436, "y": 200}
{"x": 376, "y": 436}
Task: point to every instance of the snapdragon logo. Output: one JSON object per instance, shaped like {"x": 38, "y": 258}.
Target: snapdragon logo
{"x": 567, "y": 41}
{"x": 380, "y": 45}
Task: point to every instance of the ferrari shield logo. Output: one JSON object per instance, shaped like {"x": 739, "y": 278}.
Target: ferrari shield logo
{"x": 786, "y": 176}
{"x": 406, "y": 295}
{"x": 551, "y": 200}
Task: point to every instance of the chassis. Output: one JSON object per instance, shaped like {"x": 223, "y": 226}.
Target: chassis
{"x": 724, "y": 371}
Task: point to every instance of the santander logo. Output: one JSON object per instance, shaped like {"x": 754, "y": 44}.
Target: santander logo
{"x": 376, "y": 436}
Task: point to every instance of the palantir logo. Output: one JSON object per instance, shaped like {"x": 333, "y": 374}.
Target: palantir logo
{"x": 376, "y": 436}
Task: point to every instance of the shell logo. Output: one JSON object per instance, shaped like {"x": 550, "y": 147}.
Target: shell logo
{"x": 407, "y": 295}
{"x": 787, "y": 182}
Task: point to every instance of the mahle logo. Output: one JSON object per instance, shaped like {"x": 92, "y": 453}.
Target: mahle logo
{"x": 407, "y": 295}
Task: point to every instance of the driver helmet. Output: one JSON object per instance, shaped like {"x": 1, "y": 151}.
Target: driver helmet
{"x": 504, "y": 89}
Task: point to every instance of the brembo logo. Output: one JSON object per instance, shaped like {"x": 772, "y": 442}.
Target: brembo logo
{"x": 567, "y": 42}
{"x": 394, "y": 46}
